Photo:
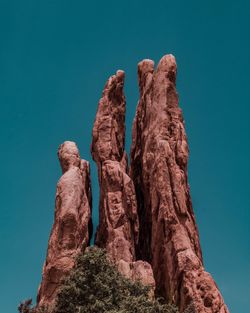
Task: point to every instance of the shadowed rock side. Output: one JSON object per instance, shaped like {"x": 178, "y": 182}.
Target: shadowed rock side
{"x": 118, "y": 227}
{"x": 72, "y": 226}
{"x": 168, "y": 236}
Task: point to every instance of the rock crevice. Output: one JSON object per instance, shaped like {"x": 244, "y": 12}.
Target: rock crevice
{"x": 119, "y": 226}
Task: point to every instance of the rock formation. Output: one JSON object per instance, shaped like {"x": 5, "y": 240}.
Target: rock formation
{"x": 146, "y": 219}
{"x": 72, "y": 223}
{"x": 118, "y": 226}
{"x": 168, "y": 236}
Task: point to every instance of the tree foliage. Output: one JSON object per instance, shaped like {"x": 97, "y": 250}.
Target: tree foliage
{"x": 95, "y": 286}
{"x": 27, "y": 307}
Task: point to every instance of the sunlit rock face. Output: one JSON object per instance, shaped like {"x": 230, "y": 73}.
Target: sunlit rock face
{"x": 146, "y": 220}
{"x": 168, "y": 235}
{"x": 72, "y": 226}
{"x": 118, "y": 226}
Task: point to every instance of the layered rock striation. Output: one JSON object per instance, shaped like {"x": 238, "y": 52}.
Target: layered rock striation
{"x": 168, "y": 236}
{"x": 72, "y": 226}
{"x": 118, "y": 227}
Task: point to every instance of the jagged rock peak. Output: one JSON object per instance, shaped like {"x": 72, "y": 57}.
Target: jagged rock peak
{"x": 168, "y": 237}
{"x": 72, "y": 226}
{"x": 118, "y": 220}
{"x": 109, "y": 127}
{"x": 146, "y": 218}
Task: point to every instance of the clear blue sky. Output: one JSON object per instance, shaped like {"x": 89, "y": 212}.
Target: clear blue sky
{"x": 55, "y": 57}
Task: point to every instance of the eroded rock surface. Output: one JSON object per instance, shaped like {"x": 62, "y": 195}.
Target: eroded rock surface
{"x": 168, "y": 236}
{"x": 146, "y": 219}
{"x": 72, "y": 226}
{"x": 118, "y": 226}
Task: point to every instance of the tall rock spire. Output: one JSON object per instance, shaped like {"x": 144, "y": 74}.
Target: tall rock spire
{"x": 72, "y": 226}
{"x": 168, "y": 233}
{"x": 118, "y": 225}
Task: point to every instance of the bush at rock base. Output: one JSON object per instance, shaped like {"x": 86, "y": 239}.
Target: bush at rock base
{"x": 95, "y": 286}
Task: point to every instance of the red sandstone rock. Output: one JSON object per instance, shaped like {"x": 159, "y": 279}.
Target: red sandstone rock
{"x": 168, "y": 235}
{"x": 145, "y": 217}
{"x": 72, "y": 227}
{"x": 118, "y": 226}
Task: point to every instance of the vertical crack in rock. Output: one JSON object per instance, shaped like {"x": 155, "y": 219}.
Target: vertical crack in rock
{"x": 118, "y": 227}
{"x": 168, "y": 236}
{"x": 72, "y": 226}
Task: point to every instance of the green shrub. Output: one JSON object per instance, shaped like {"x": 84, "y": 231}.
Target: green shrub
{"x": 27, "y": 307}
{"x": 190, "y": 308}
{"x": 95, "y": 286}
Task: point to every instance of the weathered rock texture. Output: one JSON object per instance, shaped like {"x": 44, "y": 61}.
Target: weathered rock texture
{"x": 146, "y": 217}
{"x": 168, "y": 236}
{"x": 72, "y": 223}
{"x": 118, "y": 226}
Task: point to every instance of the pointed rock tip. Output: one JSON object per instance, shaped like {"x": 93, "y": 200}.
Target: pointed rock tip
{"x": 68, "y": 155}
{"x": 146, "y": 66}
{"x": 117, "y": 78}
{"x": 68, "y": 147}
{"x": 120, "y": 76}
{"x": 167, "y": 63}
{"x": 120, "y": 73}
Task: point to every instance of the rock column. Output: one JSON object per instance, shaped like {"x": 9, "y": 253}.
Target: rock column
{"x": 168, "y": 236}
{"x": 118, "y": 220}
{"x": 72, "y": 226}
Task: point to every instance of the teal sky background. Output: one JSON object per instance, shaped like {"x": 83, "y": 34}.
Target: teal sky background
{"x": 55, "y": 57}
